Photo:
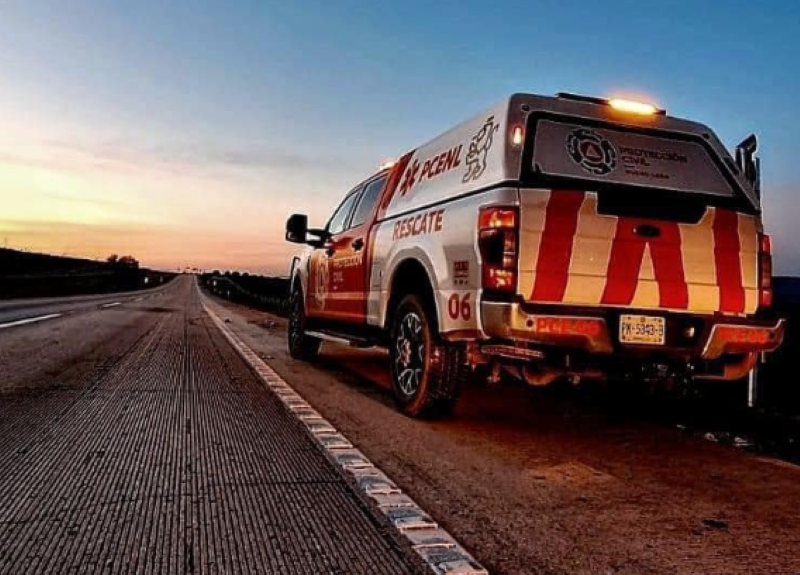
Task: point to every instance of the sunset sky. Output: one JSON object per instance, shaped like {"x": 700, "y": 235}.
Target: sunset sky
{"x": 184, "y": 133}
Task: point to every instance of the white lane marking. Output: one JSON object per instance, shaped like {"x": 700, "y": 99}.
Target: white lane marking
{"x": 107, "y": 305}
{"x": 30, "y": 320}
{"x": 442, "y": 553}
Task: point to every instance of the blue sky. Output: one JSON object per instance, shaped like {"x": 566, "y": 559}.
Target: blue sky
{"x": 190, "y": 117}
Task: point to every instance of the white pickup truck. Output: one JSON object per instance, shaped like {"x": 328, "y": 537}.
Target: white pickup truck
{"x": 549, "y": 237}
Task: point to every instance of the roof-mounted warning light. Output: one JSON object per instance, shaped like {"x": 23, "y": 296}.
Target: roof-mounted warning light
{"x": 634, "y": 107}
{"x": 620, "y": 104}
{"x": 386, "y": 164}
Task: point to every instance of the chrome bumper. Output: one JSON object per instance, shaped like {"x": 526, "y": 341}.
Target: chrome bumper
{"x": 510, "y": 321}
{"x": 727, "y": 338}
{"x": 591, "y": 333}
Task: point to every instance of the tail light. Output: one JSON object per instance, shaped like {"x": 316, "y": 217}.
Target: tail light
{"x": 764, "y": 271}
{"x": 498, "y": 234}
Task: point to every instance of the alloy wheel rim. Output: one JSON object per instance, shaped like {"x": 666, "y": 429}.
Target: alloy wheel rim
{"x": 409, "y": 347}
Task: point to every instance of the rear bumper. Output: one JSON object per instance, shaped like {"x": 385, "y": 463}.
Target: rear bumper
{"x": 594, "y": 331}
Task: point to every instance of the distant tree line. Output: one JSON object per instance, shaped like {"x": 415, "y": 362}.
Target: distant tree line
{"x": 123, "y": 261}
{"x": 27, "y": 274}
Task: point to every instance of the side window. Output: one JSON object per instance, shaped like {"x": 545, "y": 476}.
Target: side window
{"x": 371, "y": 194}
{"x": 338, "y": 222}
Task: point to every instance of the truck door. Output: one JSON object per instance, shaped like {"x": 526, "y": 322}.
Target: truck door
{"x": 348, "y": 258}
{"x": 357, "y": 276}
{"x": 324, "y": 286}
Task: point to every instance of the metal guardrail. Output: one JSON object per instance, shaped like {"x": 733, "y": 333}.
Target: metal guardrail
{"x": 276, "y": 302}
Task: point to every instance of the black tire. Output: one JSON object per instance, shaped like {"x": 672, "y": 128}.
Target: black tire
{"x": 427, "y": 373}
{"x": 301, "y": 346}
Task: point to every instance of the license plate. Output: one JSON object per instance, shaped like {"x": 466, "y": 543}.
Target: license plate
{"x": 642, "y": 329}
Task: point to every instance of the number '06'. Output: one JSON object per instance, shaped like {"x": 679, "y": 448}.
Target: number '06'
{"x": 459, "y": 307}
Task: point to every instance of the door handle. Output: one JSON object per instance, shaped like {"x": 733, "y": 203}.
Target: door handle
{"x": 358, "y": 244}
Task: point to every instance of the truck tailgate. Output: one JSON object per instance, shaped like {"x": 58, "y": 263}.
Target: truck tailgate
{"x": 572, "y": 255}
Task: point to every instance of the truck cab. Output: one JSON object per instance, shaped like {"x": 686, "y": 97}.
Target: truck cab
{"x": 547, "y": 237}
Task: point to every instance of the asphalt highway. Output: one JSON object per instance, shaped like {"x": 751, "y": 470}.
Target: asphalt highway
{"x": 134, "y": 439}
{"x": 17, "y": 312}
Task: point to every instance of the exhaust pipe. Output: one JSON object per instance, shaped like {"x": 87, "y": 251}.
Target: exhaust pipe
{"x": 539, "y": 377}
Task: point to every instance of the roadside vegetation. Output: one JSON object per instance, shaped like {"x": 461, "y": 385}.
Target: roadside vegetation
{"x": 26, "y": 275}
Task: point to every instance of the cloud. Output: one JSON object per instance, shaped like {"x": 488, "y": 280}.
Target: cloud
{"x": 84, "y": 199}
{"x": 201, "y": 158}
{"x": 35, "y": 161}
{"x": 194, "y": 156}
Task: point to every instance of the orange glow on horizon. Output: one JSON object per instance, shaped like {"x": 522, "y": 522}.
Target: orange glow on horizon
{"x": 66, "y": 206}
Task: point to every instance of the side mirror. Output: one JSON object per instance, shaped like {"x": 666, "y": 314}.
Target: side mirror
{"x": 297, "y": 229}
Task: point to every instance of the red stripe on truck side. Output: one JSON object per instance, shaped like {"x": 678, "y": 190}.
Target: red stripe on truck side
{"x": 625, "y": 262}
{"x": 389, "y": 188}
{"x": 392, "y": 182}
{"x": 555, "y": 248}
{"x": 726, "y": 259}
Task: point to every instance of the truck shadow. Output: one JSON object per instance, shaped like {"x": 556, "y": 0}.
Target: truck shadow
{"x": 714, "y": 412}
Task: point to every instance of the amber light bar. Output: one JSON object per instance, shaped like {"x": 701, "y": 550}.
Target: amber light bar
{"x": 633, "y": 107}
{"x": 619, "y": 104}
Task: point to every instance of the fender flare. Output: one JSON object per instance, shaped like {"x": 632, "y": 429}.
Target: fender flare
{"x": 418, "y": 257}
{"x": 294, "y": 275}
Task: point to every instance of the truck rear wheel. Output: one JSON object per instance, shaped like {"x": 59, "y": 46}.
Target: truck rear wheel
{"x": 301, "y": 346}
{"x": 426, "y": 372}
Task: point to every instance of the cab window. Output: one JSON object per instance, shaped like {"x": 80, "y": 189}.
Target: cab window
{"x": 368, "y": 199}
{"x": 339, "y": 220}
